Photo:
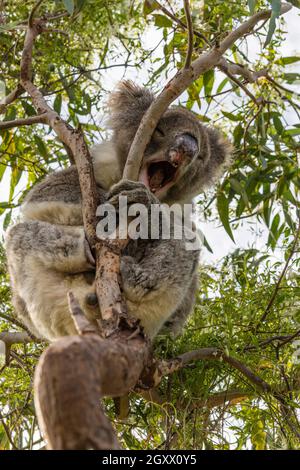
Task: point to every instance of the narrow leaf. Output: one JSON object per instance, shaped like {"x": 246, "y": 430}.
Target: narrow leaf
{"x": 69, "y": 6}
{"x": 276, "y": 8}
{"x": 251, "y": 5}
{"x": 223, "y": 209}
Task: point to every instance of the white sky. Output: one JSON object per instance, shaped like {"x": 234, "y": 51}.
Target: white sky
{"x": 248, "y": 234}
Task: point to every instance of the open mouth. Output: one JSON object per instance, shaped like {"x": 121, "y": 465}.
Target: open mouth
{"x": 159, "y": 175}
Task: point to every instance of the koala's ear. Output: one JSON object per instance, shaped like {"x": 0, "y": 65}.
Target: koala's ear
{"x": 127, "y": 104}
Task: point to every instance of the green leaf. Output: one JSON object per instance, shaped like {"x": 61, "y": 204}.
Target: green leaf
{"x": 278, "y": 124}
{"x": 231, "y": 116}
{"x": 10, "y": 26}
{"x": 291, "y": 77}
{"x": 223, "y": 210}
{"x": 287, "y": 60}
{"x": 4, "y": 206}
{"x": 222, "y": 85}
{"x": 14, "y": 179}
{"x": 162, "y": 21}
{"x": 29, "y": 110}
{"x": 208, "y": 82}
{"x": 251, "y": 5}
{"x": 69, "y": 6}
{"x": 57, "y": 103}
{"x": 274, "y": 232}
{"x": 276, "y": 8}
{"x": 80, "y": 4}
{"x": 238, "y": 188}
{"x": 292, "y": 132}
{"x": 41, "y": 146}
{"x": 2, "y": 170}
{"x": 7, "y": 219}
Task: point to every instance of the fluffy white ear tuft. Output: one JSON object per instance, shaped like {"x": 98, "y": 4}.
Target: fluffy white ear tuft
{"x": 106, "y": 165}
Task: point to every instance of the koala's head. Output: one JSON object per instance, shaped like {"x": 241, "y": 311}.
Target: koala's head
{"x": 182, "y": 157}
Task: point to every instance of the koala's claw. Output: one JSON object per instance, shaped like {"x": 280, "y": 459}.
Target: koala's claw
{"x": 88, "y": 253}
{"x": 125, "y": 185}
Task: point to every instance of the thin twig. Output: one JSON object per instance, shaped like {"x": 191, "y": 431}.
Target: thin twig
{"x": 32, "y": 13}
{"x": 38, "y": 119}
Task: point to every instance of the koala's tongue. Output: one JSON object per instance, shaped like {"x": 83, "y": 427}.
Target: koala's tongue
{"x": 156, "y": 179}
{"x": 160, "y": 174}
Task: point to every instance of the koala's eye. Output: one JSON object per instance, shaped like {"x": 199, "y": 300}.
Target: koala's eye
{"x": 158, "y": 133}
{"x": 191, "y": 137}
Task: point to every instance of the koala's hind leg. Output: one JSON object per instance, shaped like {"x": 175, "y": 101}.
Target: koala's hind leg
{"x": 63, "y": 248}
{"x": 43, "y": 260}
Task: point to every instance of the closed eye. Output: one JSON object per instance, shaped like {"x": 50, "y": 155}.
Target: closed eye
{"x": 192, "y": 136}
{"x": 159, "y": 132}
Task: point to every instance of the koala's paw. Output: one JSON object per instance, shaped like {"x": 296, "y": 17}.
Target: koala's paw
{"x": 135, "y": 192}
{"x": 173, "y": 328}
{"x": 135, "y": 279}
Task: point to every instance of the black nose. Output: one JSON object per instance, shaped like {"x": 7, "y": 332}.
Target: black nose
{"x": 186, "y": 144}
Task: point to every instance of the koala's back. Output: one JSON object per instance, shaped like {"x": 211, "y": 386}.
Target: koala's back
{"x": 57, "y": 199}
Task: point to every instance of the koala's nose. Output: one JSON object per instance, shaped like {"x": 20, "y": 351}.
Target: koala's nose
{"x": 186, "y": 145}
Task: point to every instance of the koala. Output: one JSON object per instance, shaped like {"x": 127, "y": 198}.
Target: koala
{"x": 47, "y": 251}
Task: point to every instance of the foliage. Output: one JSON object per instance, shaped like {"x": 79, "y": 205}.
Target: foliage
{"x": 75, "y": 65}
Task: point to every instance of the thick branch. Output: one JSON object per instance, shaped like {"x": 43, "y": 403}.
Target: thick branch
{"x": 14, "y": 337}
{"x": 10, "y": 98}
{"x": 71, "y": 377}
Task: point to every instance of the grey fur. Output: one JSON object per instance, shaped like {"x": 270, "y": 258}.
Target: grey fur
{"x": 47, "y": 251}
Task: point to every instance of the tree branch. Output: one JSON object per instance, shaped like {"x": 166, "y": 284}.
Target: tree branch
{"x": 10, "y": 98}
{"x": 39, "y": 119}
{"x": 153, "y": 376}
{"x": 178, "y": 84}
{"x": 237, "y": 69}
{"x": 164, "y": 368}
{"x": 15, "y": 337}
